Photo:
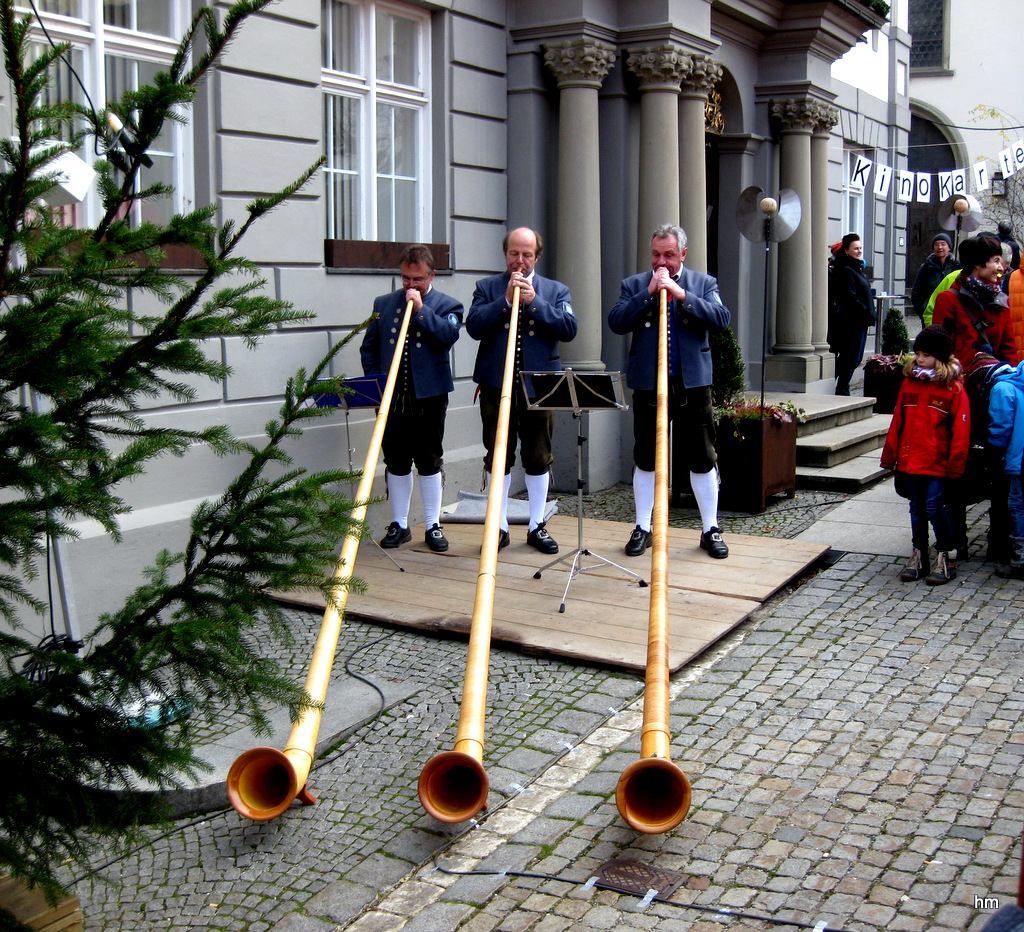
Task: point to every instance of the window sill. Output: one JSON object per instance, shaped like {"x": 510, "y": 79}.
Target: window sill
{"x": 354, "y": 255}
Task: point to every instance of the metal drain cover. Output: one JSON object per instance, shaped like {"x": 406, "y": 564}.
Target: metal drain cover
{"x": 627, "y": 875}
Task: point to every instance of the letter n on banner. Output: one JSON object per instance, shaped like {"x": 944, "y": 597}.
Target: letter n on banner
{"x": 905, "y": 186}
{"x": 883, "y": 178}
{"x": 980, "y": 175}
{"x": 924, "y": 187}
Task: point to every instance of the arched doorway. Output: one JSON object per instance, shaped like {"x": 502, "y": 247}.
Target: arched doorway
{"x": 930, "y": 151}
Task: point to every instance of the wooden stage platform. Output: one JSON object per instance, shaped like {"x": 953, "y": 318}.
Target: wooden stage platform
{"x": 606, "y": 610}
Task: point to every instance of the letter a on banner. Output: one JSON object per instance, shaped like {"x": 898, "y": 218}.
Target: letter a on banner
{"x": 883, "y": 178}
{"x": 924, "y": 187}
{"x": 959, "y": 181}
{"x": 980, "y": 175}
{"x": 861, "y": 172}
{"x": 905, "y": 187}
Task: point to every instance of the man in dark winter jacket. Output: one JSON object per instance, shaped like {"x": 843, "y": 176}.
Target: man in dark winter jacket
{"x": 935, "y": 268}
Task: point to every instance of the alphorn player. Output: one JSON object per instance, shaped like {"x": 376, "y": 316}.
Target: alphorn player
{"x": 695, "y": 310}
{"x": 545, "y": 318}
{"x": 414, "y": 432}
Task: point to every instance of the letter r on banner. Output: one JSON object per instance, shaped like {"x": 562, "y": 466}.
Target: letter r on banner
{"x": 924, "y": 187}
{"x": 980, "y": 175}
{"x": 861, "y": 172}
{"x": 905, "y": 187}
{"x": 883, "y": 178}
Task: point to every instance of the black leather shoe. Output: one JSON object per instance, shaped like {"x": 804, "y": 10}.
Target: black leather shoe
{"x": 712, "y": 542}
{"x": 436, "y": 540}
{"x": 396, "y": 536}
{"x": 503, "y": 540}
{"x": 541, "y": 540}
{"x": 638, "y": 542}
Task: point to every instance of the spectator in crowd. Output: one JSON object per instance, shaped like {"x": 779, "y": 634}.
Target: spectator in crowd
{"x": 936, "y": 267}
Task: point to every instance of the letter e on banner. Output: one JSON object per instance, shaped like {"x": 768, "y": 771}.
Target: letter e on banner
{"x": 924, "y": 187}
{"x": 861, "y": 172}
{"x": 1018, "y": 155}
{"x": 905, "y": 187}
{"x": 980, "y": 175}
{"x": 883, "y": 178}
{"x": 945, "y": 185}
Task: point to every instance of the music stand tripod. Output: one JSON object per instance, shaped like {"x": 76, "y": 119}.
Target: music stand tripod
{"x": 363, "y": 392}
{"x": 577, "y": 392}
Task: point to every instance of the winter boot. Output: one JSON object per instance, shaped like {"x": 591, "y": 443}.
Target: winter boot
{"x": 916, "y": 568}
{"x": 1014, "y": 569}
{"x": 944, "y": 571}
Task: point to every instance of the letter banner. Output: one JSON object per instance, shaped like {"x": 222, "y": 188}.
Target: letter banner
{"x": 883, "y": 178}
{"x": 905, "y": 188}
{"x": 1018, "y": 155}
{"x": 1006, "y": 162}
{"x": 861, "y": 172}
{"x": 980, "y": 175}
{"x": 924, "y": 187}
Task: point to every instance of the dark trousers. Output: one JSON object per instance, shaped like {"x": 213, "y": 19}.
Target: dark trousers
{"x": 849, "y": 352}
{"x": 927, "y": 506}
{"x": 690, "y": 409}
{"x": 414, "y": 433}
{"x": 532, "y": 428}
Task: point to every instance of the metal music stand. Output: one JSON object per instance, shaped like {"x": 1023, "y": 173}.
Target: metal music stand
{"x": 363, "y": 391}
{"x": 577, "y": 392}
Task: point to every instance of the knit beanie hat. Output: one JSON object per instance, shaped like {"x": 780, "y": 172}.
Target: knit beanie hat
{"x": 943, "y": 236}
{"x": 935, "y": 341}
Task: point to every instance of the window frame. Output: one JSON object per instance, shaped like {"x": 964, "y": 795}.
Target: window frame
{"x": 93, "y": 41}
{"x": 367, "y": 91}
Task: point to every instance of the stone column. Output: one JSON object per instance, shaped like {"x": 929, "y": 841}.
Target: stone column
{"x": 828, "y": 116}
{"x": 704, "y": 75}
{"x": 794, "y": 362}
{"x": 660, "y": 69}
{"x": 580, "y": 65}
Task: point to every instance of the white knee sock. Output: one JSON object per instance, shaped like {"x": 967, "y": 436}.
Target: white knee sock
{"x": 430, "y": 495}
{"x": 643, "y": 497}
{"x": 705, "y": 490}
{"x": 400, "y": 495}
{"x": 537, "y": 492}
{"x": 503, "y": 523}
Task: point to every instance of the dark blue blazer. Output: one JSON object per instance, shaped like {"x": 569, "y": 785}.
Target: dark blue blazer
{"x": 433, "y": 331}
{"x": 701, "y": 314}
{"x": 548, "y": 319}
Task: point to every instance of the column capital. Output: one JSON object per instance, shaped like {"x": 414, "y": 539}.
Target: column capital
{"x": 581, "y": 62}
{"x": 660, "y": 67}
{"x": 801, "y": 114}
{"x": 828, "y": 116}
{"x": 704, "y": 74}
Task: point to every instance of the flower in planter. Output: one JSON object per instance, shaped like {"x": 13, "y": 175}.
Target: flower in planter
{"x": 751, "y": 409}
{"x": 886, "y": 362}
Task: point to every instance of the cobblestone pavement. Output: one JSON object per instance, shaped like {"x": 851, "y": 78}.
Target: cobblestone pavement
{"x": 855, "y": 751}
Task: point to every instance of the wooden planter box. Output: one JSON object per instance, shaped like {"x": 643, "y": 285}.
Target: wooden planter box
{"x": 755, "y": 461}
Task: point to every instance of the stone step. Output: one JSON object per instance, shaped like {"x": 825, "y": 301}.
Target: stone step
{"x": 851, "y": 476}
{"x": 822, "y": 412}
{"x": 836, "y": 445}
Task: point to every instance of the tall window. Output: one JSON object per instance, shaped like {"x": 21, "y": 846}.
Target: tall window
{"x": 927, "y": 24}
{"x": 853, "y": 197}
{"x": 118, "y": 46}
{"x": 376, "y": 120}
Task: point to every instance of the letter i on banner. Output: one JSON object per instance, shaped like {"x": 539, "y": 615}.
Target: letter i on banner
{"x": 905, "y": 186}
{"x": 924, "y": 187}
{"x": 980, "y": 175}
{"x": 883, "y": 178}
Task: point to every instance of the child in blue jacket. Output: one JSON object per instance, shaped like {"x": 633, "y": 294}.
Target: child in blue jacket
{"x": 1006, "y": 432}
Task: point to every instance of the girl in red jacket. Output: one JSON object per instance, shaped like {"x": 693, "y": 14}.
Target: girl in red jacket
{"x": 927, "y": 445}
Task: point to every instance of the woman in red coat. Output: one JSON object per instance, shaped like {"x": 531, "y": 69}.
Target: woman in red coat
{"x": 974, "y": 311}
{"x": 927, "y": 445}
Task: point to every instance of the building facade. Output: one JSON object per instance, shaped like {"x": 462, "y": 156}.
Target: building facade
{"x": 592, "y": 121}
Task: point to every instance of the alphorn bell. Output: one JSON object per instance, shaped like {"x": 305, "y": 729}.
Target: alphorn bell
{"x": 263, "y": 782}
{"x": 653, "y": 794}
{"x": 453, "y": 785}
